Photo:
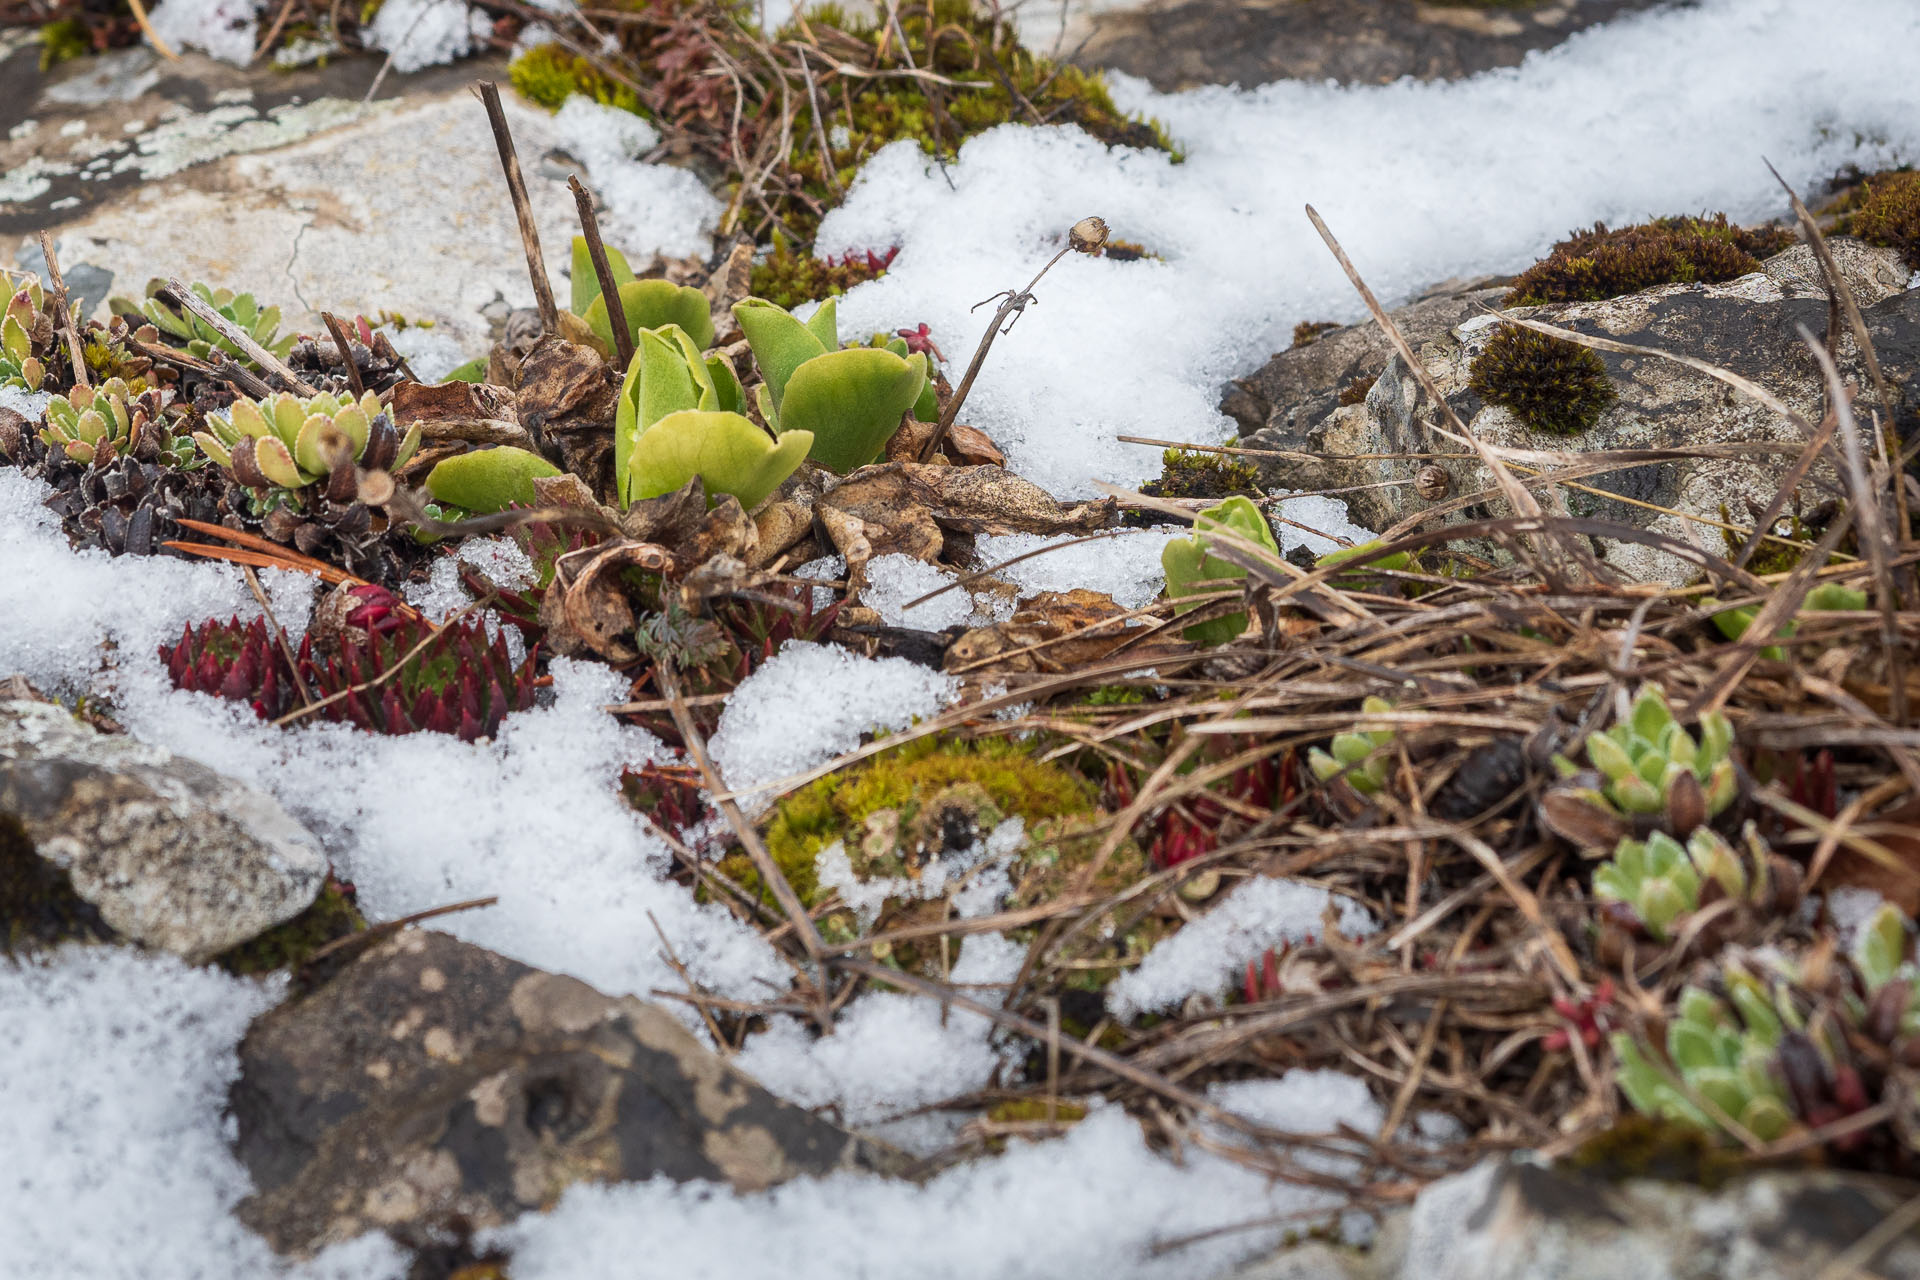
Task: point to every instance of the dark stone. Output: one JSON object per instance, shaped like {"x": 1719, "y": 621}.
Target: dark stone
{"x": 1181, "y": 45}
{"x": 433, "y": 1086}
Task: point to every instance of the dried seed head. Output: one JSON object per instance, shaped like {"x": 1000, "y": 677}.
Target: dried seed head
{"x": 1432, "y": 483}
{"x": 1088, "y": 235}
{"x": 376, "y": 488}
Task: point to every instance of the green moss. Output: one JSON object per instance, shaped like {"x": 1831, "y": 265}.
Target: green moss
{"x": 1642, "y": 1146}
{"x": 1059, "y": 850}
{"x": 1116, "y": 695}
{"x": 1549, "y": 383}
{"x": 548, "y": 74}
{"x": 1212, "y": 476}
{"x": 1035, "y": 1111}
{"x": 905, "y": 781}
{"x": 787, "y": 278}
{"x": 59, "y": 41}
{"x": 1886, "y": 211}
{"x": 332, "y": 916}
{"x": 1601, "y": 263}
{"x": 38, "y": 906}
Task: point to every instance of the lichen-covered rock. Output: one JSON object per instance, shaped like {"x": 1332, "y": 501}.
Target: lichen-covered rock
{"x": 168, "y": 853}
{"x": 1747, "y": 325}
{"x": 432, "y": 1080}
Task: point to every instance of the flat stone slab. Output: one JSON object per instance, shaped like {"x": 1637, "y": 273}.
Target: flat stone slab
{"x": 286, "y": 187}
{"x": 171, "y": 854}
{"x": 433, "y": 1079}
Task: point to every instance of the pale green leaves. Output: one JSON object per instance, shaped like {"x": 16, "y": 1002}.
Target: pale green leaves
{"x": 668, "y": 375}
{"x": 851, "y": 401}
{"x": 1358, "y": 754}
{"x": 1652, "y": 766}
{"x": 19, "y": 367}
{"x": 289, "y": 443}
{"x": 1192, "y": 570}
{"x": 90, "y": 424}
{"x": 652, "y": 304}
{"x": 727, "y": 451}
{"x": 261, "y": 324}
{"x": 487, "y": 480}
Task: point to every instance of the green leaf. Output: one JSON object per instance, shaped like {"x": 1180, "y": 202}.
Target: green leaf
{"x": 488, "y": 480}
{"x": 1831, "y": 597}
{"x": 474, "y": 370}
{"x": 1881, "y": 946}
{"x": 927, "y": 407}
{"x": 654, "y": 304}
{"x": 781, "y": 344}
{"x": 729, "y": 396}
{"x": 824, "y": 324}
{"x": 852, "y": 402}
{"x": 728, "y": 452}
{"x": 1608, "y": 757}
{"x": 586, "y": 281}
{"x": 658, "y": 382}
{"x": 1398, "y": 560}
{"x": 1188, "y": 563}
{"x": 276, "y": 464}
{"x": 1651, "y": 713}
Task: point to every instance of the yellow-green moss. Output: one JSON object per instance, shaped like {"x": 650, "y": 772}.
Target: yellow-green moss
{"x": 59, "y": 41}
{"x": 787, "y": 278}
{"x": 1641, "y": 1146}
{"x": 1035, "y": 1111}
{"x": 1211, "y": 476}
{"x": 1886, "y": 211}
{"x": 837, "y": 807}
{"x": 549, "y": 75}
{"x": 1601, "y": 263}
{"x": 332, "y": 916}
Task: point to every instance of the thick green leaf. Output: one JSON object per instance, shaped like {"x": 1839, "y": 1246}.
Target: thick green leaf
{"x": 488, "y": 479}
{"x": 824, "y": 324}
{"x": 659, "y": 381}
{"x": 728, "y": 452}
{"x": 927, "y": 407}
{"x": 1187, "y": 563}
{"x": 474, "y": 370}
{"x": 729, "y": 396}
{"x": 586, "y": 281}
{"x": 654, "y": 304}
{"x": 851, "y": 401}
{"x": 781, "y": 344}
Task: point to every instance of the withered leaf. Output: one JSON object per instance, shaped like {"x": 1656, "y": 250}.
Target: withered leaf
{"x": 1052, "y": 632}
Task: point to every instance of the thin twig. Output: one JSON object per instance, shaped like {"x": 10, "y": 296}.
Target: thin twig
{"x": 279, "y": 634}
{"x": 238, "y": 337}
{"x": 603, "y": 271}
{"x": 522, "y": 207}
{"x": 65, "y": 312}
{"x": 345, "y": 343}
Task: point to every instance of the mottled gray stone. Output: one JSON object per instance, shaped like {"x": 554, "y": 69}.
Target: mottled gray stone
{"x": 171, "y": 854}
{"x": 433, "y": 1079}
{"x": 1748, "y": 325}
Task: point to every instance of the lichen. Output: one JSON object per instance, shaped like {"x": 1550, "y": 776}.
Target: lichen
{"x": 332, "y": 915}
{"x": 1590, "y": 266}
{"x": 1549, "y": 383}
{"x": 1886, "y": 211}
{"x": 548, "y": 74}
{"x": 905, "y": 781}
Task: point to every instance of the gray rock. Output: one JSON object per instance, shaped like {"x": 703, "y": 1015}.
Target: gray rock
{"x": 170, "y": 854}
{"x": 1512, "y": 1218}
{"x": 1177, "y": 44}
{"x": 432, "y": 1079}
{"x": 1746, "y": 325}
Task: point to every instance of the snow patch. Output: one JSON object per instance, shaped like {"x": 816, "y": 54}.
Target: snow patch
{"x": 645, "y": 208}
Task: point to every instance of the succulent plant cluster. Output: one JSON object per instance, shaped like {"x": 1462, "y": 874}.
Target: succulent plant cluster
{"x": 1357, "y": 754}
{"x": 288, "y": 443}
{"x": 1659, "y": 880}
{"x": 1651, "y": 768}
{"x": 93, "y": 425}
{"x": 183, "y": 328}
{"x": 460, "y": 682}
{"x": 1193, "y": 570}
{"x": 1786, "y": 1044}
{"x": 26, "y": 335}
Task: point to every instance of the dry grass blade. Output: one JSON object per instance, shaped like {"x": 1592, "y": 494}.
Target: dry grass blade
{"x": 1556, "y": 561}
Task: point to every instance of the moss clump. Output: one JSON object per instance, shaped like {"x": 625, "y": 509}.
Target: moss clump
{"x": 788, "y": 278}
{"x": 549, "y": 75}
{"x": 1886, "y": 211}
{"x": 59, "y": 41}
{"x": 1058, "y": 851}
{"x": 1549, "y": 383}
{"x": 1642, "y": 1146}
{"x": 1035, "y": 1111}
{"x": 1128, "y": 251}
{"x": 904, "y": 781}
{"x": 332, "y": 916}
{"x": 1212, "y": 476}
{"x": 1355, "y": 392}
{"x": 1308, "y": 332}
{"x": 1593, "y": 265}
{"x": 38, "y": 906}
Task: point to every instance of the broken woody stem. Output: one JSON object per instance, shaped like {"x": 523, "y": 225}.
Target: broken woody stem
{"x": 616, "y": 310}
{"x": 64, "y": 311}
{"x": 1085, "y": 236}
{"x": 522, "y": 209}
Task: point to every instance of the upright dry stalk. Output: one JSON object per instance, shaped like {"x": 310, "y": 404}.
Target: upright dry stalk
{"x": 603, "y": 270}
{"x": 522, "y": 208}
{"x": 63, "y": 311}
